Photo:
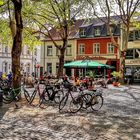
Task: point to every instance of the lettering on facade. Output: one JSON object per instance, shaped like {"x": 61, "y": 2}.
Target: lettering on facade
{"x": 134, "y": 62}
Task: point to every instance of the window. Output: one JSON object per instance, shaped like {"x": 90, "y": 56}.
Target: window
{"x": 35, "y": 51}
{"x": 49, "y": 50}
{"x": 28, "y": 51}
{"x": 96, "y": 48}
{"x": 97, "y": 31}
{"x": 57, "y": 66}
{"x": 131, "y": 35}
{"x": 137, "y": 34}
{"x": 129, "y": 54}
{"x": 82, "y": 32}
{"x": 4, "y": 67}
{"x": 28, "y": 68}
{"x": 137, "y": 53}
{"x": 68, "y": 50}
{"x": 81, "y": 48}
{"x": 49, "y": 68}
{"x": 112, "y": 28}
{"x": 58, "y": 51}
{"x": 6, "y": 49}
{"x": 110, "y": 48}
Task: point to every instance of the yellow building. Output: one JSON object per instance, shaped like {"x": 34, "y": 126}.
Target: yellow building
{"x": 132, "y": 61}
{"x": 50, "y": 55}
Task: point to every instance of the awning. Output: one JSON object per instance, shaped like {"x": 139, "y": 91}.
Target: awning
{"x": 101, "y": 61}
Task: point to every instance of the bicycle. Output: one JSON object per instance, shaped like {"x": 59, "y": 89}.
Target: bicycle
{"x": 14, "y": 94}
{"x": 49, "y": 93}
{"x": 75, "y": 103}
{"x": 93, "y": 99}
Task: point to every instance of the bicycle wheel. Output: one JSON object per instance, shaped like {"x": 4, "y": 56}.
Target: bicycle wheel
{"x": 34, "y": 99}
{"x": 27, "y": 96}
{"x": 76, "y": 104}
{"x": 48, "y": 94}
{"x": 8, "y": 97}
{"x": 58, "y": 96}
{"x": 63, "y": 102}
{"x": 86, "y": 100}
{"x": 96, "y": 102}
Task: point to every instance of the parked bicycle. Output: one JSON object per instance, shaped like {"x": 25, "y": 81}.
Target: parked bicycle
{"x": 12, "y": 94}
{"x": 75, "y": 103}
{"x": 85, "y": 99}
{"x": 49, "y": 93}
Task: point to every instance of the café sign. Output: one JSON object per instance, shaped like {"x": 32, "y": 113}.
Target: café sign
{"x": 132, "y": 62}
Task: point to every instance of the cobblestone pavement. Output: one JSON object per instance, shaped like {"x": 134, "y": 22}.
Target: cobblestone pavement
{"x": 119, "y": 119}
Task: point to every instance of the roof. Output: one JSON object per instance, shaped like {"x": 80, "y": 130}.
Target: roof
{"x": 72, "y": 33}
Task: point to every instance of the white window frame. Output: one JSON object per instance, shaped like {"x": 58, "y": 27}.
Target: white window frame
{"x": 82, "y": 32}
{"x": 5, "y": 67}
{"x": 28, "y": 51}
{"x": 96, "y": 48}
{"x": 81, "y": 48}
{"x": 69, "y": 50}
{"x": 97, "y": 31}
{"x": 49, "y": 50}
{"x": 109, "y": 48}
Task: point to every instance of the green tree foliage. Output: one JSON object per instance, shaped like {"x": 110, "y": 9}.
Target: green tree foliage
{"x": 59, "y": 15}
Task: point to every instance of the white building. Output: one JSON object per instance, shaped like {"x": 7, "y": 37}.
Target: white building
{"x": 28, "y": 59}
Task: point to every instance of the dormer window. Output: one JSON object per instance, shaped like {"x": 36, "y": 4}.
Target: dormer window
{"x": 97, "y": 31}
{"x": 111, "y": 28}
{"x": 82, "y": 32}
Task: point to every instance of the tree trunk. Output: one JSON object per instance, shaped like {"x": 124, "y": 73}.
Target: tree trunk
{"x": 17, "y": 44}
{"x": 61, "y": 62}
{"x": 62, "y": 57}
{"x": 123, "y": 52}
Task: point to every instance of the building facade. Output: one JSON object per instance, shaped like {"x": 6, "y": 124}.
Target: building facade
{"x": 132, "y": 60}
{"x": 50, "y": 56}
{"x": 29, "y": 60}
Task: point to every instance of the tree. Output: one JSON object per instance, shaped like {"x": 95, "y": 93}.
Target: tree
{"x": 125, "y": 10}
{"x": 11, "y": 16}
{"x": 58, "y": 15}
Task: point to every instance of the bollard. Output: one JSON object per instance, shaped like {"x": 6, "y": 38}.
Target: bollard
{"x": 1, "y": 97}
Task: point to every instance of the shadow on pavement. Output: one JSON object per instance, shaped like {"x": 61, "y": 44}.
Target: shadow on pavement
{"x": 3, "y": 110}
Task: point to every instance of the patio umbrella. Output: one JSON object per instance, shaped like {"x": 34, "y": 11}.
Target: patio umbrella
{"x": 85, "y": 64}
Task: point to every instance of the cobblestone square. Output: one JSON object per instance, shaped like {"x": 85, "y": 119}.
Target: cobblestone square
{"x": 118, "y": 119}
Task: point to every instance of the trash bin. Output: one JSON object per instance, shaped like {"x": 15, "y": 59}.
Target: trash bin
{"x": 1, "y": 97}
